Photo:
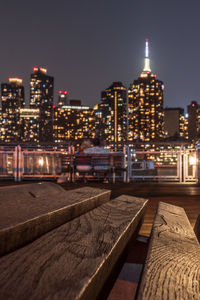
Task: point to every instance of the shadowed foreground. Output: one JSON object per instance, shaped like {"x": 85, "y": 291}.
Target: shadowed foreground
{"x": 185, "y": 196}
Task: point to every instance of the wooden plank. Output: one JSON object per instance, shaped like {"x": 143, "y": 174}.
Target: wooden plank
{"x": 172, "y": 268}
{"x": 197, "y": 228}
{"x": 28, "y": 211}
{"x": 74, "y": 260}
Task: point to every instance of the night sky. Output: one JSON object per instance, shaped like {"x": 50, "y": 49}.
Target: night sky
{"x": 88, "y": 44}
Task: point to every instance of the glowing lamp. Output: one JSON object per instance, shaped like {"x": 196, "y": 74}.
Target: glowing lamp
{"x": 192, "y": 160}
{"x": 60, "y": 92}
{"x": 41, "y": 161}
{"x": 54, "y": 107}
{"x": 35, "y": 69}
{"x": 65, "y": 92}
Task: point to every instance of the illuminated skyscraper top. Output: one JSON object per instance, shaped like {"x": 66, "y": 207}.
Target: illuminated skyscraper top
{"x": 147, "y": 67}
{"x": 146, "y": 116}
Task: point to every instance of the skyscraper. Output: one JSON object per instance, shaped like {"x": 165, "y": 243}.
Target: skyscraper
{"x": 12, "y": 96}
{"x": 145, "y": 107}
{"x": 112, "y": 111}
{"x": 29, "y": 123}
{"x": 62, "y": 98}
{"x": 41, "y": 96}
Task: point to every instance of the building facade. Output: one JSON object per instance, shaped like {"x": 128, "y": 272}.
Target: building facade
{"x": 145, "y": 105}
{"x": 111, "y": 115}
{"x": 12, "y": 97}
{"x": 73, "y": 123}
{"x": 41, "y": 97}
{"x": 29, "y": 124}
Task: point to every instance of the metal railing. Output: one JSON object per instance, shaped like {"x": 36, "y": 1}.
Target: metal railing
{"x": 19, "y": 163}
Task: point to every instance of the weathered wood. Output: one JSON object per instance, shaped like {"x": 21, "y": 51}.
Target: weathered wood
{"x": 197, "y": 228}
{"x": 172, "y": 268}
{"x": 74, "y": 260}
{"x": 28, "y": 211}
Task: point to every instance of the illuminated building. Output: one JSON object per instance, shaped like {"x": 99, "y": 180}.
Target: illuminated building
{"x": 73, "y": 123}
{"x": 29, "y": 122}
{"x": 193, "y": 120}
{"x": 41, "y": 96}
{"x": 62, "y": 98}
{"x": 111, "y": 115}
{"x": 145, "y": 107}
{"x": 175, "y": 123}
{"x": 12, "y": 96}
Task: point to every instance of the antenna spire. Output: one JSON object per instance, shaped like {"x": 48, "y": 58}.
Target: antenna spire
{"x": 147, "y": 67}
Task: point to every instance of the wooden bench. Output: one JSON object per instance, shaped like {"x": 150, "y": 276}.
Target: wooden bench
{"x": 172, "y": 268}
{"x": 81, "y": 235}
{"x": 30, "y": 210}
{"x": 74, "y": 260}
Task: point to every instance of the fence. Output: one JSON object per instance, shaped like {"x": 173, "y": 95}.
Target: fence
{"x": 176, "y": 165}
{"x": 164, "y": 165}
{"x": 21, "y": 164}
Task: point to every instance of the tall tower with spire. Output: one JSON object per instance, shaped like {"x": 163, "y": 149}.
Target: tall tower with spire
{"x": 145, "y": 105}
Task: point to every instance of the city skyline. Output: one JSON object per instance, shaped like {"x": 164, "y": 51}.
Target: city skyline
{"x": 86, "y": 46}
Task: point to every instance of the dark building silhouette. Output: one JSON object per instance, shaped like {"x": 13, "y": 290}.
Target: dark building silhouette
{"x": 145, "y": 97}
{"x": 12, "y": 97}
{"x": 75, "y": 102}
{"x": 175, "y": 123}
{"x": 193, "y": 110}
{"x": 41, "y": 96}
{"x": 111, "y": 115}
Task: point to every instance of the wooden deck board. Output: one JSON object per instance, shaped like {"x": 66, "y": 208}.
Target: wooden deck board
{"x": 30, "y": 210}
{"x": 172, "y": 269}
{"x": 74, "y": 260}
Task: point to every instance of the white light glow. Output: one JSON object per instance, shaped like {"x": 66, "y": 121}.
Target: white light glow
{"x": 147, "y": 48}
{"x": 41, "y": 161}
{"x": 192, "y": 160}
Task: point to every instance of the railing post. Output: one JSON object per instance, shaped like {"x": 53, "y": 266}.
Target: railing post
{"x": 125, "y": 165}
{"x": 15, "y": 163}
{"x": 20, "y": 162}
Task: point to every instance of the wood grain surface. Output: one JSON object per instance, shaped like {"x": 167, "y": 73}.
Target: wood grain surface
{"x": 28, "y": 211}
{"x": 74, "y": 260}
{"x": 172, "y": 268}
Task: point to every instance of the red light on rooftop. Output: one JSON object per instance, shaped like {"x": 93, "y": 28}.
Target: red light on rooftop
{"x": 147, "y": 40}
{"x": 35, "y": 69}
{"x": 65, "y": 92}
{"x": 60, "y": 92}
{"x": 54, "y": 107}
